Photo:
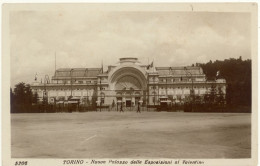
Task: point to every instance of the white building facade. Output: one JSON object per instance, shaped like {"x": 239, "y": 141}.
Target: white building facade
{"x": 129, "y": 83}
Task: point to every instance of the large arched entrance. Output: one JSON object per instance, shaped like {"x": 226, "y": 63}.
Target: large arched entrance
{"x": 129, "y": 85}
{"x": 127, "y": 88}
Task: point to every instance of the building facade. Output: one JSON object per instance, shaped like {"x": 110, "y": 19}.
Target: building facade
{"x": 128, "y": 83}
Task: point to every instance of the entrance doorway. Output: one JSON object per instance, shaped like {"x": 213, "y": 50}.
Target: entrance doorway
{"x": 128, "y": 103}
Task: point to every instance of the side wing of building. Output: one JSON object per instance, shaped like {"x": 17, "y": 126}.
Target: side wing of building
{"x": 128, "y": 83}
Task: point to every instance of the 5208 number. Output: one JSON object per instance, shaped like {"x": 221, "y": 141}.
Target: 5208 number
{"x": 20, "y": 163}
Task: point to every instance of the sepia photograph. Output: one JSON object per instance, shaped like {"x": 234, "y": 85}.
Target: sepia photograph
{"x": 130, "y": 81}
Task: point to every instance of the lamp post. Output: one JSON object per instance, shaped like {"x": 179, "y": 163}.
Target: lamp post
{"x": 100, "y": 94}
{"x": 167, "y": 87}
{"x": 154, "y": 91}
{"x": 70, "y": 104}
{"x": 171, "y": 91}
{"x": 71, "y": 82}
{"x": 166, "y": 93}
{"x": 132, "y": 95}
{"x": 45, "y": 97}
{"x": 192, "y": 90}
{"x": 117, "y": 106}
{"x": 147, "y": 91}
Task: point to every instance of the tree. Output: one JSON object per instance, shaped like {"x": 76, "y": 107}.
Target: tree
{"x": 35, "y": 99}
{"x": 229, "y": 92}
{"x": 12, "y": 100}
{"x": 45, "y": 100}
{"x": 21, "y": 99}
{"x": 220, "y": 96}
{"x": 197, "y": 99}
{"x": 238, "y": 74}
{"x": 206, "y": 98}
{"x": 212, "y": 94}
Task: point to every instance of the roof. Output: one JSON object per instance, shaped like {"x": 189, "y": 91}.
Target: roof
{"x": 179, "y": 70}
{"x": 77, "y": 72}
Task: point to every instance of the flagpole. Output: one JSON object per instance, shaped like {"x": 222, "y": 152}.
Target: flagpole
{"x": 153, "y": 65}
{"x": 55, "y": 61}
{"x": 55, "y": 66}
{"x": 102, "y": 67}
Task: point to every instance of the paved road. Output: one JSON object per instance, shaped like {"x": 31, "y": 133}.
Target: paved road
{"x": 131, "y": 135}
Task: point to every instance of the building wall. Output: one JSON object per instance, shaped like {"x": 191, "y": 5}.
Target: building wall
{"x": 156, "y": 83}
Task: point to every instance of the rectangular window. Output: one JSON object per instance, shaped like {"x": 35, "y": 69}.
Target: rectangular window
{"x": 153, "y": 99}
{"x": 102, "y": 100}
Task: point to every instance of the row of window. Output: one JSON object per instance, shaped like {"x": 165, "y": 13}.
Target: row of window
{"x": 154, "y": 87}
{"x": 175, "y": 79}
{"x": 63, "y": 89}
{"x": 74, "y": 81}
{"x": 103, "y": 88}
{"x": 181, "y": 79}
{"x": 171, "y": 79}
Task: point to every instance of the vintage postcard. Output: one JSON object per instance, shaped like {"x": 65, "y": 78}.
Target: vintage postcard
{"x": 129, "y": 84}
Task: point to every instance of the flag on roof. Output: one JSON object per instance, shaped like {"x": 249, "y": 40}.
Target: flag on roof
{"x": 149, "y": 66}
{"x": 35, "y": 77}
{"x": 102, "y": 68}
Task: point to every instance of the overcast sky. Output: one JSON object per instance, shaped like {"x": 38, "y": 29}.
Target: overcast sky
{"x": 84, "y": 39}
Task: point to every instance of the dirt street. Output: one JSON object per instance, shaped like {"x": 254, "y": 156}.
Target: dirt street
{"x": 131, "y": 135}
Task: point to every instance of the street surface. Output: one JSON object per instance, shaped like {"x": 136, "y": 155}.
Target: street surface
{"x": 131, "y": 135}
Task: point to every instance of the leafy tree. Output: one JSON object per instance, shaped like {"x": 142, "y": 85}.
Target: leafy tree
{"x": 12, "y": 100}
{"x": 237, "y": 73}
{"x": 212, "y": 94}
{"x": 21, "y": 99}
{"x": 220, "y": 96}
{"x": 45, "y": 99}
{"x": 206, "y": 98}
{"x": 35, "y": 99}
{"x": 229, "y": 92}
{"x": 197, "y": 99}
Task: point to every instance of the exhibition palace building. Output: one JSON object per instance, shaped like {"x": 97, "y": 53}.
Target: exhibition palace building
{"x": 128, "y": 82}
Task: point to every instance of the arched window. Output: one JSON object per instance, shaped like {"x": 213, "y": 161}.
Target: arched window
{"x": 102, "y": 95}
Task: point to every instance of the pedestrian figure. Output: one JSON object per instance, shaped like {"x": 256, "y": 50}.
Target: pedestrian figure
{"x": 113, "y": 105}
{"x": 121, "y": 108}
{"x": 138, "y": 108}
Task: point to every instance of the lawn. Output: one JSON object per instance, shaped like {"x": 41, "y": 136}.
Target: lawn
{"x": 131, "y": 135}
